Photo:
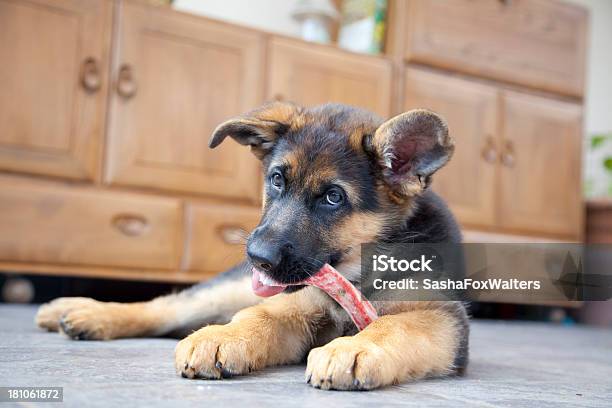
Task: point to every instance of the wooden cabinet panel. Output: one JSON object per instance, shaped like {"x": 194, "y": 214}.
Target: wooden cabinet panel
{"x": 65, "y": 225}
{"x": 599, "y": 221}
{"x": 218, "y": 235}
{"x": 49, "y": 122}
{"x": 539, "y": 43}
{"x": 312, "y": 75}
{"x": 467, "y": 182}
{"x": 540, "y": 180}
{"x": 178, "y": 77}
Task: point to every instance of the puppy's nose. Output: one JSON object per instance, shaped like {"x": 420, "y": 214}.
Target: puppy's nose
{"x": 264, "y": 257}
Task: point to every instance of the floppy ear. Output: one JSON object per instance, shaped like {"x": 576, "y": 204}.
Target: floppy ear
{"x": 259, "y": 128}
{"x": 410, "y": 148}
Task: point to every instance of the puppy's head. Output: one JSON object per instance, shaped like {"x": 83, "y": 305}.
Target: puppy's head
{"x": 335, "y": 177}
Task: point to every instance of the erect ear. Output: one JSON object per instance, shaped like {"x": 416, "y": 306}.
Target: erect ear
{"x": 259, "y": 128}
{"x": 410, "y": 148}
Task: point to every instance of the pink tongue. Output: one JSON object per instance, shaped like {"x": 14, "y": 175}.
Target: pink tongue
{"x": 264, "y": 290}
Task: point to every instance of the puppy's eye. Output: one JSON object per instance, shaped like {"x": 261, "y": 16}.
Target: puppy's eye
{"x": 277, "y": 180}
{"x": 334, "y": 197}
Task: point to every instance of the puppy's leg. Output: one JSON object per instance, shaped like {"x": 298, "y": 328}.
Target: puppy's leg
{"x": 278, "y": 331}
{"x": 212, "y": 302}
{"x": 392, "y": 349}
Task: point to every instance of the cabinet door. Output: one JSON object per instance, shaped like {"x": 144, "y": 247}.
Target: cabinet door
{"x": 539, "y": 43}
{"x": 176, "y": 78}
{"x": 467, "y": 182}
{"x": 54, "y": 60}
{"x": 312, "y": 75}
{"x": 540, "y": 180}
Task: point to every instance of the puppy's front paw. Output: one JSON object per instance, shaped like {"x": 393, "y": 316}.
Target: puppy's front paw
{"x": 216, "y": 352}
{"x": 49, "y": 315}
{"x": 349, "y": 363}
{"x": 94, "y": 322}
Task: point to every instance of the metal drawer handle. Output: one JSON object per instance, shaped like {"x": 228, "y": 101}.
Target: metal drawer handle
{"x": 233, "y": 235}
{"x": 90, "y": 75}
{"x": 131, "y": 225}
{"x": 126, "y": 84}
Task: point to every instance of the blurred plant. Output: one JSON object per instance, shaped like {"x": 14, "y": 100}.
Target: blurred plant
{"x": 598, "y": 141}
{"x": 599, "y": 181}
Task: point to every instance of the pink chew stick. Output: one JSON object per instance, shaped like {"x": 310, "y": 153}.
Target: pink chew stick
{"x": 342, "y": 291}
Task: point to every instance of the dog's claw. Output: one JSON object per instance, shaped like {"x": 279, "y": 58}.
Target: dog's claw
{"x": 225, "y": 373}
{"x": 63, "y": 324}
{"x": 219, "y": 365}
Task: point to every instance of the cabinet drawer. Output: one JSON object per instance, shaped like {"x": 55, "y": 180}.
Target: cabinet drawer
{"x": 538, "y": 43}
{"x": 217, "y": 235}
{"x": 66, "y": 225}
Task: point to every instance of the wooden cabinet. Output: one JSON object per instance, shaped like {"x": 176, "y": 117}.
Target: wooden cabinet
{"x": 217, "y": 235}
{"x": 115, "y": 100}
{"x": 53, "y": 79}
{"x": 540, "y": 177}
{"x": 538, "y": 43}
{"x": 468, "y": 181}
{"x": 44, "y": 223}
{"x": 517, "y": 162}
{"x": 176, "y": 78}
{"x": 312, "y": 75}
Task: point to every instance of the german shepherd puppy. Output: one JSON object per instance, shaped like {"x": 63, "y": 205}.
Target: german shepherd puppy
{"x": 335, "y": 177}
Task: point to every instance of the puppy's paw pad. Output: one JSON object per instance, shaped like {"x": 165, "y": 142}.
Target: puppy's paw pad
{"x": 216, "y": 352}
{"x": 348, "y": 363}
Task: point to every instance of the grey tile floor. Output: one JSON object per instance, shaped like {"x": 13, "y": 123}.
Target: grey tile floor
{"x": 512, "y": 365}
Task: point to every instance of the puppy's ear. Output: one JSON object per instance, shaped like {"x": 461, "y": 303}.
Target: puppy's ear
{"x": 259, "y": 128}
{"x": 410, "y": 148}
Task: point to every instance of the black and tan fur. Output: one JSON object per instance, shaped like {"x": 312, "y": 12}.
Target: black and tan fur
{"x": 381, "y": 171}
